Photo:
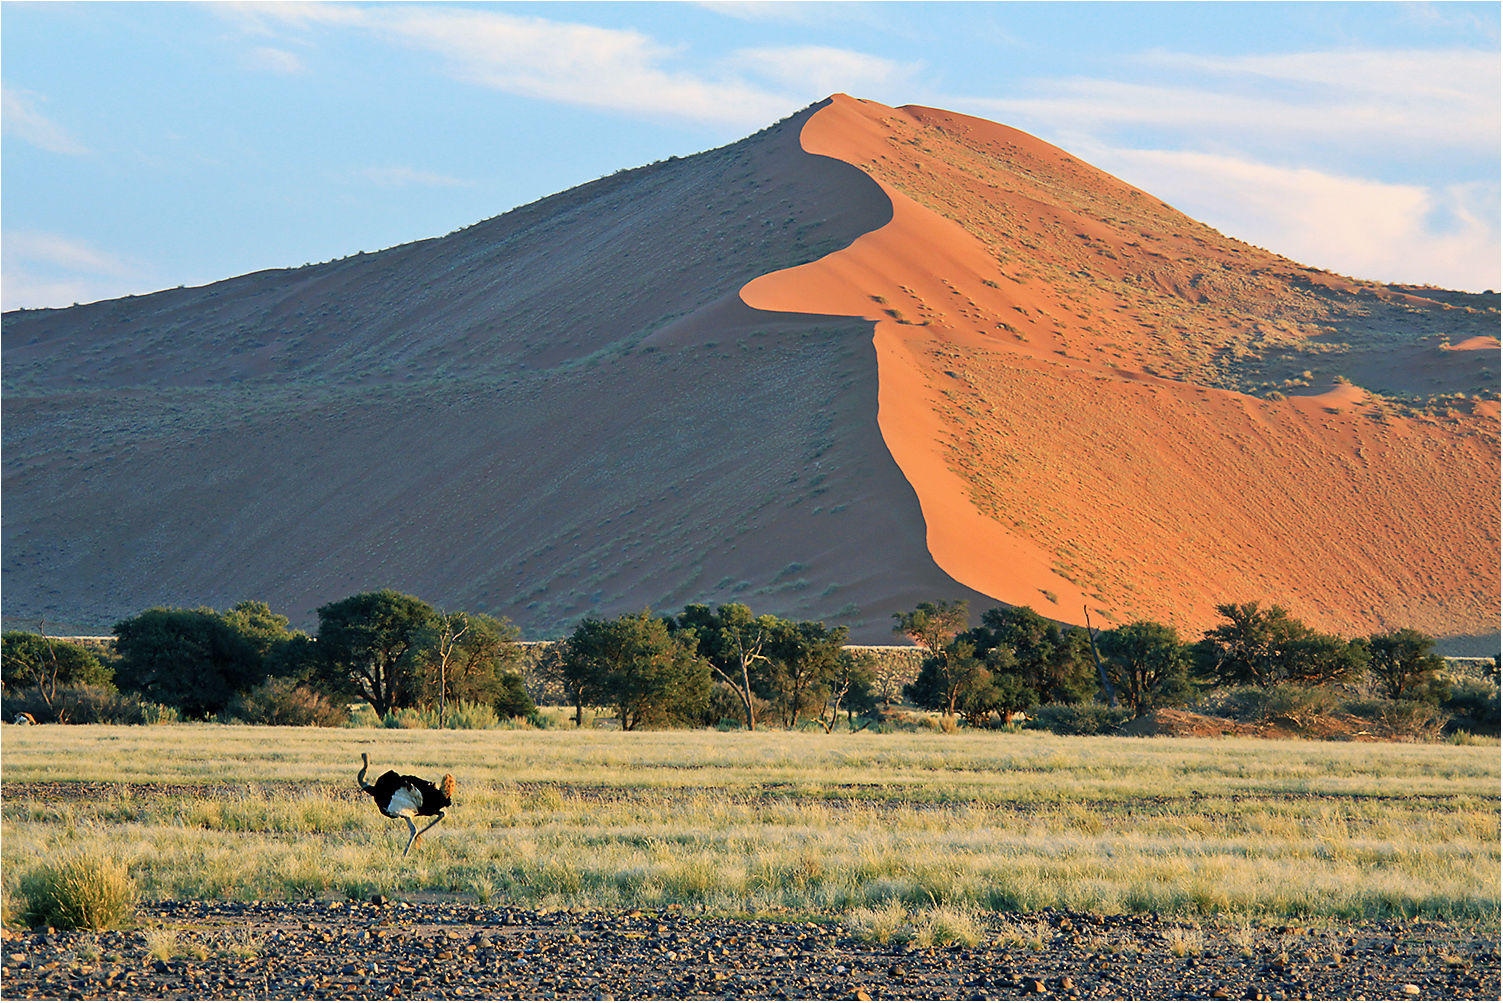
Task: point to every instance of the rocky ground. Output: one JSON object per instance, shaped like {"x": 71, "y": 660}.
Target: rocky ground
{"x": 339, "y": 950}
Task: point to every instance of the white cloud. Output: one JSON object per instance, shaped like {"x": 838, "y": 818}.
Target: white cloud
{"x": 608, "y": 68}
{"x": 274, "y": 60}
{"x": 786, "y": 11}
{"x": 61, "y": 252}
{"x": 1440, "y": 99}
{"x": 1355, "y": 226}
{"x": 818, "y": 71}
{"x": 22, "y": 120}
{"x": 396, "y": 177}
{"x": 45, "y": 269}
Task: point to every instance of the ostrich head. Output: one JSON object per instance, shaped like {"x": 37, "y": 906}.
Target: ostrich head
{"x": 447, "y": 785}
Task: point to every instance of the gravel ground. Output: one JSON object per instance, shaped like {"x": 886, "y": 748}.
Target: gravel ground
{"x": 437, "y": 950}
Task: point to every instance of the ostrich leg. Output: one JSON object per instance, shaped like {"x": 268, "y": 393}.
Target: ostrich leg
{"x": 419, "y": 834}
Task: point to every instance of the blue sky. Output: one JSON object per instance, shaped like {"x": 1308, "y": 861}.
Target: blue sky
{"x": 160, "y": 144}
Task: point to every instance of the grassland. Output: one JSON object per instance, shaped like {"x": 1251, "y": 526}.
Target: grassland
{"x": 776, "y": 823}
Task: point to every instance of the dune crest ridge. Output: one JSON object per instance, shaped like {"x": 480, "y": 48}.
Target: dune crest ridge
{"x": 1078, "y": 381}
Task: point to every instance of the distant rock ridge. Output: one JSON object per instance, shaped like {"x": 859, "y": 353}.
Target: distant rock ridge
{"x": 867, "y": 357}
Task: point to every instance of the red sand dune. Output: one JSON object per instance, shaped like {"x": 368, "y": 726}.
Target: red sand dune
{"x": 1141, "y": 497}
{"x": 864, "y": 358}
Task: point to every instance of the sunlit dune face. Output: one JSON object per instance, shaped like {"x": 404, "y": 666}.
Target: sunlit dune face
{"x": 1103, "y": 404}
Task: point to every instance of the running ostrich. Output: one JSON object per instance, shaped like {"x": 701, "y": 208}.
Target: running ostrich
{"x": 403, "y": 797}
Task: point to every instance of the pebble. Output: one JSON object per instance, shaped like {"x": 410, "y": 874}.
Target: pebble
{"x": 379, "y": 950}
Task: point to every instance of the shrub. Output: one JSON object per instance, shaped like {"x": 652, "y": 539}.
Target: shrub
{"x": 1473, "y": 704}
{"x": 465, "y": 716}
{"x": 86, "y": 705}
{"x": 1401, "y": 717}
{"x": 460, "y": 714}
{"x": 87, "y": 891}
{"x": 514, "y": 700}
{"x": 1285, "y": 702}
{"x": 286, "y": 702}
{"x": 1078, "y": 719}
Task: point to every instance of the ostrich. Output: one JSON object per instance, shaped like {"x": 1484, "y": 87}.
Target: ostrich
{"x": 403, "y": 797}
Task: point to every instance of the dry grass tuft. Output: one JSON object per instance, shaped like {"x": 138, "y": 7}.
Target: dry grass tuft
{"x": 85, "y": 891}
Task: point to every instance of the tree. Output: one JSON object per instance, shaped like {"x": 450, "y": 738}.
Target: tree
{"x": 1322, "y": 659}
{"x": 1265, "y": 647}
{"x": 806, "y": 658}
{"x": 466, "y": 655}
{"x": 851, "y": 685}
{"x": 1052, "y": 662}
{"x": 733, "y": 641}
{"x": 934, "y": 626}
{"x": 28, "y": 659}
{"x": 193, "y": 660}
{"x": 1402, "y": 660}
{"x": 256, "y": 623}
{"x": 44, "y": 662}
{"x": 1147, "y": 664}
{"x": 945, "y": 678}
{"x": 370, "y": 644}
{"x": 651, "y": 676}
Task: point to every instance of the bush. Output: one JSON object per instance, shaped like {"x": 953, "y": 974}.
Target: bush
{"x": 286, "y": 702}
{"x": 1473, "y": 705}
{"x": 460, "y": 714}
{"x": 1078, "y": 719}
{"x": 514, "y": 700}
{"x": 1401, "y": 717}
{"x": 1286, "y": 702}
{"x": 86, "y": 705}
{"x": 87, "y": 891}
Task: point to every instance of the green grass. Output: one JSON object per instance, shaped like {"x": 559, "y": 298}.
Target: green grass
{"x": 909, "y": 836}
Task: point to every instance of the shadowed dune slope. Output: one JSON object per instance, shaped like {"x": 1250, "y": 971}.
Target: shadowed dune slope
{"x": 563, "y": 411}
{"x": 864, "y": 358}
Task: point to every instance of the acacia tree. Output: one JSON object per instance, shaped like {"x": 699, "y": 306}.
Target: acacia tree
{"x": 1402, "y": 660}
{"x": 806, "y": 657}
{"x": 651, "y": 676}
{"x": 934, "y": 627}
{"x": 369, "y": 645}
{"x": 1264, "y": 647}
{"x": 469, "y": 655}
{"x": 733, "y": 642}
{"x": 1052, "y": 662}
{"x": 191, "y": 659}
{"x": 851, "y": 685}
{"x": 1146, "y": 663}
{"x": 45, "y": 662}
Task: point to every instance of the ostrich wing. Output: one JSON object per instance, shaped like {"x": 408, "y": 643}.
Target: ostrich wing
{"x": 405, "y": 800}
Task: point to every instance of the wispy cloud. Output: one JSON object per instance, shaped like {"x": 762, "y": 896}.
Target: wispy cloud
{"x": 397, "y": 177}
{"x": 1356, "y": 226}
{"x": 1272, "y": 149}
{"x": 1439, "y": 98}
{"x": 818, "y": 71}
{"x": 590, "y": 66}
{"x": 46, "y": 269}
{"x": 274, "y": 60}
{"x": 22, "y": 120}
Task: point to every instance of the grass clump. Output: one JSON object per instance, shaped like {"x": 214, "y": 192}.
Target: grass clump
{"x": 86, "y": 891}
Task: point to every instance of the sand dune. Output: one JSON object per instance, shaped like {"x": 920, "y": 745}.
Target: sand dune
{"x": 866, "y": 357}
{"x": 1139, "y": 501}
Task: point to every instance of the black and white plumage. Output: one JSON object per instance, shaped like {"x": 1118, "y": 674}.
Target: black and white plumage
{"x": 407, "y": 797}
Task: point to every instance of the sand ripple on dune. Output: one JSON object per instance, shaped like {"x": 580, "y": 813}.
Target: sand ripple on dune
{"x": 1042, "y": 389}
